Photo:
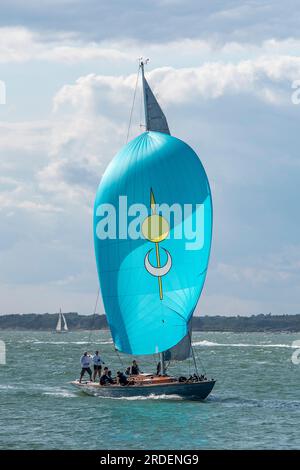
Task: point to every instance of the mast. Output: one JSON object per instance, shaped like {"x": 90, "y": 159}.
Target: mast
{"x": 162, "y": 364}
{"x": 145, "y": 94}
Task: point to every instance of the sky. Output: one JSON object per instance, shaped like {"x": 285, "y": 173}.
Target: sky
{"x": 223, "y": 72}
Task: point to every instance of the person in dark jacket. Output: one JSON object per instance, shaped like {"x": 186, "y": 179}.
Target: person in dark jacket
{"x": 122, "y": 379}
{"x": 111, "y": 377}
{"x": 135, "y": 370}
{"x": 105, "y": 379}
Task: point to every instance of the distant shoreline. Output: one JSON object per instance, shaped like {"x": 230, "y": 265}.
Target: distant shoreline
{"x": 217, "y": 323}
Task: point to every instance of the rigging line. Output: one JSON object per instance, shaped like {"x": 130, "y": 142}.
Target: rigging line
{"x": 202, "y": 365}
{"x": 94, "y": 316}
{"x": 119, "y": 357}
{"x": 133, "y": 101}
{"x": 141, "y": 108}
{"x": 193, "y": 355}
{"x": 196, "y": 356}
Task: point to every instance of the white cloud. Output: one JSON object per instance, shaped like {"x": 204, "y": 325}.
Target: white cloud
{"x": 28, "y": 136}
{"x": 263, "y": 77}
{"x": 254, "y": 275}
{"x": 20, "y": 196}
{"x": 20, "y": 44}
{"x": 182, "y": 85}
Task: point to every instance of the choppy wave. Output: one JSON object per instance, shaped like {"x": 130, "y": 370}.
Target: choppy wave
{"x": 33, "y": 389}
{"x": 8, "y": 387}
{"x": 60, "y": 394}
{"x": 244, "y": 345}
{"x": 272, "y": 403}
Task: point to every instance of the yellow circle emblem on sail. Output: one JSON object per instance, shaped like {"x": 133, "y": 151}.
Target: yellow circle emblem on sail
{"x": 155, "y": 228}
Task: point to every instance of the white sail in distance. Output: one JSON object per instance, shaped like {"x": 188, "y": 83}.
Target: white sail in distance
{"x": 58, "y": 326}
{"x": 65, "y": 323}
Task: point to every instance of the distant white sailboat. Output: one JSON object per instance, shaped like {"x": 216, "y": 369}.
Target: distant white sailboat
{"x": 61, "y": 326}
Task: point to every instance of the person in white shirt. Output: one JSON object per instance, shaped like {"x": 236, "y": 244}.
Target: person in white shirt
{"x": 97, "y": 361}
{"x": 85, "y": 362}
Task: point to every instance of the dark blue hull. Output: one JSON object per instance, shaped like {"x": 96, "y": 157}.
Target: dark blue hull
{"x": 190, "y": 391}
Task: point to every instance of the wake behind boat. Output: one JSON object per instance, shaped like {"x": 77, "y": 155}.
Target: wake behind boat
{"x": 152, "y": 236}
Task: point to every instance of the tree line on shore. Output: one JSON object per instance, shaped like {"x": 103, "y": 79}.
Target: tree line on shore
{"x": 47, "y": 322}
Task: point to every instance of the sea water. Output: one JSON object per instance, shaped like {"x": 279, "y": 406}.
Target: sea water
{"x": 255, "y": 403}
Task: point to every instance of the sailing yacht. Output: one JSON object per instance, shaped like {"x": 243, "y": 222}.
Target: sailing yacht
{"x": 151, "y": 284}
{"x": 61, "y": 326}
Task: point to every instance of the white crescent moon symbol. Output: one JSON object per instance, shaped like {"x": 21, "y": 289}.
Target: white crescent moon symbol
{"x": 154, "y": 270}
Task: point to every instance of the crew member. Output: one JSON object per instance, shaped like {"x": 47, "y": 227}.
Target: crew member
{"x": 135, "y": 370}
{"x": 122, "y": 379}
{"x": 105, "y": 379}
{"x": 97, "y": 361}
{"x": 85, "y": 362}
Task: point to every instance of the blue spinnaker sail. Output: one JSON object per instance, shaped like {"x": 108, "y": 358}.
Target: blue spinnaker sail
{"x": 147, "y": 309}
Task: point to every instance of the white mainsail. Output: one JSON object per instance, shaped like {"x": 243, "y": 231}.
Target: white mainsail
{"x": 58, "y": 326}
{"x": 65, "y": 322}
